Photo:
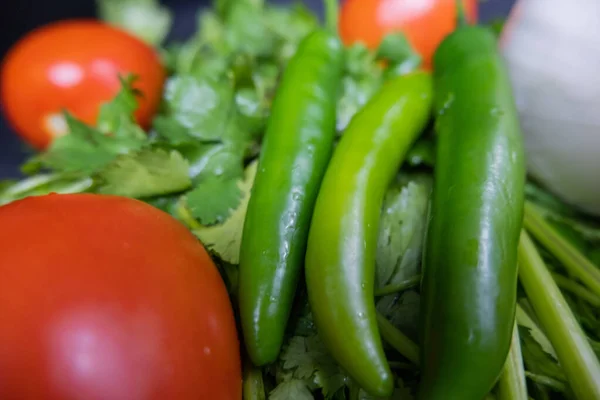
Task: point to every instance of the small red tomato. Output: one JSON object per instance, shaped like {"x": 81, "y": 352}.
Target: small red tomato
{"x": 74, "y": 65}
{"x": 108, "y": 298}
{"x": 424, "y": 22}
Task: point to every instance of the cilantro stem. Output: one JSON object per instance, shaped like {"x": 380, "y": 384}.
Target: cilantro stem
{"x": 78, "y": 186}
{"x": 29, "y": 184}
{"x": 512, "y": 385}
{"x": 552, "y": 383}
{"x": 331, "y": 15}
{"x": 575, "y": 262}
{"x": 185, "y": 216}
{"x": 398, "y": 287}
{"x": 576, "y": 289}
{"x": 574, "y": 351}
{"x": 43, "y": 184}
{"x": 398, "y": 340}
{"x": 253, "y": 386}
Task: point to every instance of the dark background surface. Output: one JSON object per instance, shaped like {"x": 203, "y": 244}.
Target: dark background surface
{"x": 19, "y": 17}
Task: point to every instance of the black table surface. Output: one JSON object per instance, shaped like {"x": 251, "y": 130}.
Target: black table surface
{"x": 19, "y": 17}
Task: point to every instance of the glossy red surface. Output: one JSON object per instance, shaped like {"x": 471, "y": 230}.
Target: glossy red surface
{"x": 74, "y": 65}
{"x": 108, "y": 298}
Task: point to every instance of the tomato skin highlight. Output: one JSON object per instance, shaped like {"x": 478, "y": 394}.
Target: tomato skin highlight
{"x": 107, "y": 298}
{"x": 424, "y": 22}
{"x": 74, "y": 65}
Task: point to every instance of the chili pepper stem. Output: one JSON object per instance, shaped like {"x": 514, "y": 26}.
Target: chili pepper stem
{"x": 512, "y": 385}
{"x": 331, "y": 15}
{"x": 580, "y": 364}
{"x": 572, "y": 259}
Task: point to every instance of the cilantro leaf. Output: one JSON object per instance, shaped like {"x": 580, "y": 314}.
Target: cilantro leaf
{"x": 146, "y": 19}
{"x": 151, "y": 172}
{"x": 364, "y": 73}
{"x": 402, "y": 310}
{"x": 397, "y": 51}
{"x": 402, "y": 229}
{"x": 117, "y": 114}
{"x": 290, "y": 24}
{"x": 224, "y": 161}
{"x": 247, "y": 33}
{"x": 307, "y": 358}
{"x": 362, "y": 78}
{"x": 85, "y": 149}
{"x": 291, "y": 389}
{"x": 298, "y": 358}
{"x": 252, "y": 109}
{"x": 213, "y": 199}
{"x": 171, "y": 131}
{"x": 200, "y": 105}
{"x": 328, "y": 374}
{"x": 536, "y": 359}
{"x": 225, "y": 239}
{"x": 399, "y": 247}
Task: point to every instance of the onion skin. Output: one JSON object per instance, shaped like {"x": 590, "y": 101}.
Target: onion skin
{"x": 552, "y": 50}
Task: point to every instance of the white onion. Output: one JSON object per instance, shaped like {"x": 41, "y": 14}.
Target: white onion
{"x": 552, "y": 49}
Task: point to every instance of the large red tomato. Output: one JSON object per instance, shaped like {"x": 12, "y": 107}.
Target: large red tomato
{"x": 108, "y": 298}
{"x": 424, "y": 22}
{"x": 74, "y": 65}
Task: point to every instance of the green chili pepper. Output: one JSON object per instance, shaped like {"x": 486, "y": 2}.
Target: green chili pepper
{"x": 297, "y": 147}
{"x": 469, "y": 286}
{"x": 340, "y": 259}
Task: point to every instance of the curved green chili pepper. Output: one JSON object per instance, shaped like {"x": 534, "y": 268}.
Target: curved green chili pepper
{"x": 469, "y": 284}
{"x": 297, "y": 147}
{"x": 340, "y": 258}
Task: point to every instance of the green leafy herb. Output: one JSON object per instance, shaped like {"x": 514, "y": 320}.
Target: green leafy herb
{"x": 397, "y": 51}
{"x": 225, "y": 239}
{"x": 307, "y": 358}
{"x": 362, "y": 78}
{"x": 402, "y": 229}
{"x": 146, "y": 19}
{"x": 291, "y": 389}
{"x": 202, "y": 106}
{"x": 151, "y": 172}
{"x": 85, "y": 149}
{"x": 213, "y": 199}
{"x": 536, "y": 359}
